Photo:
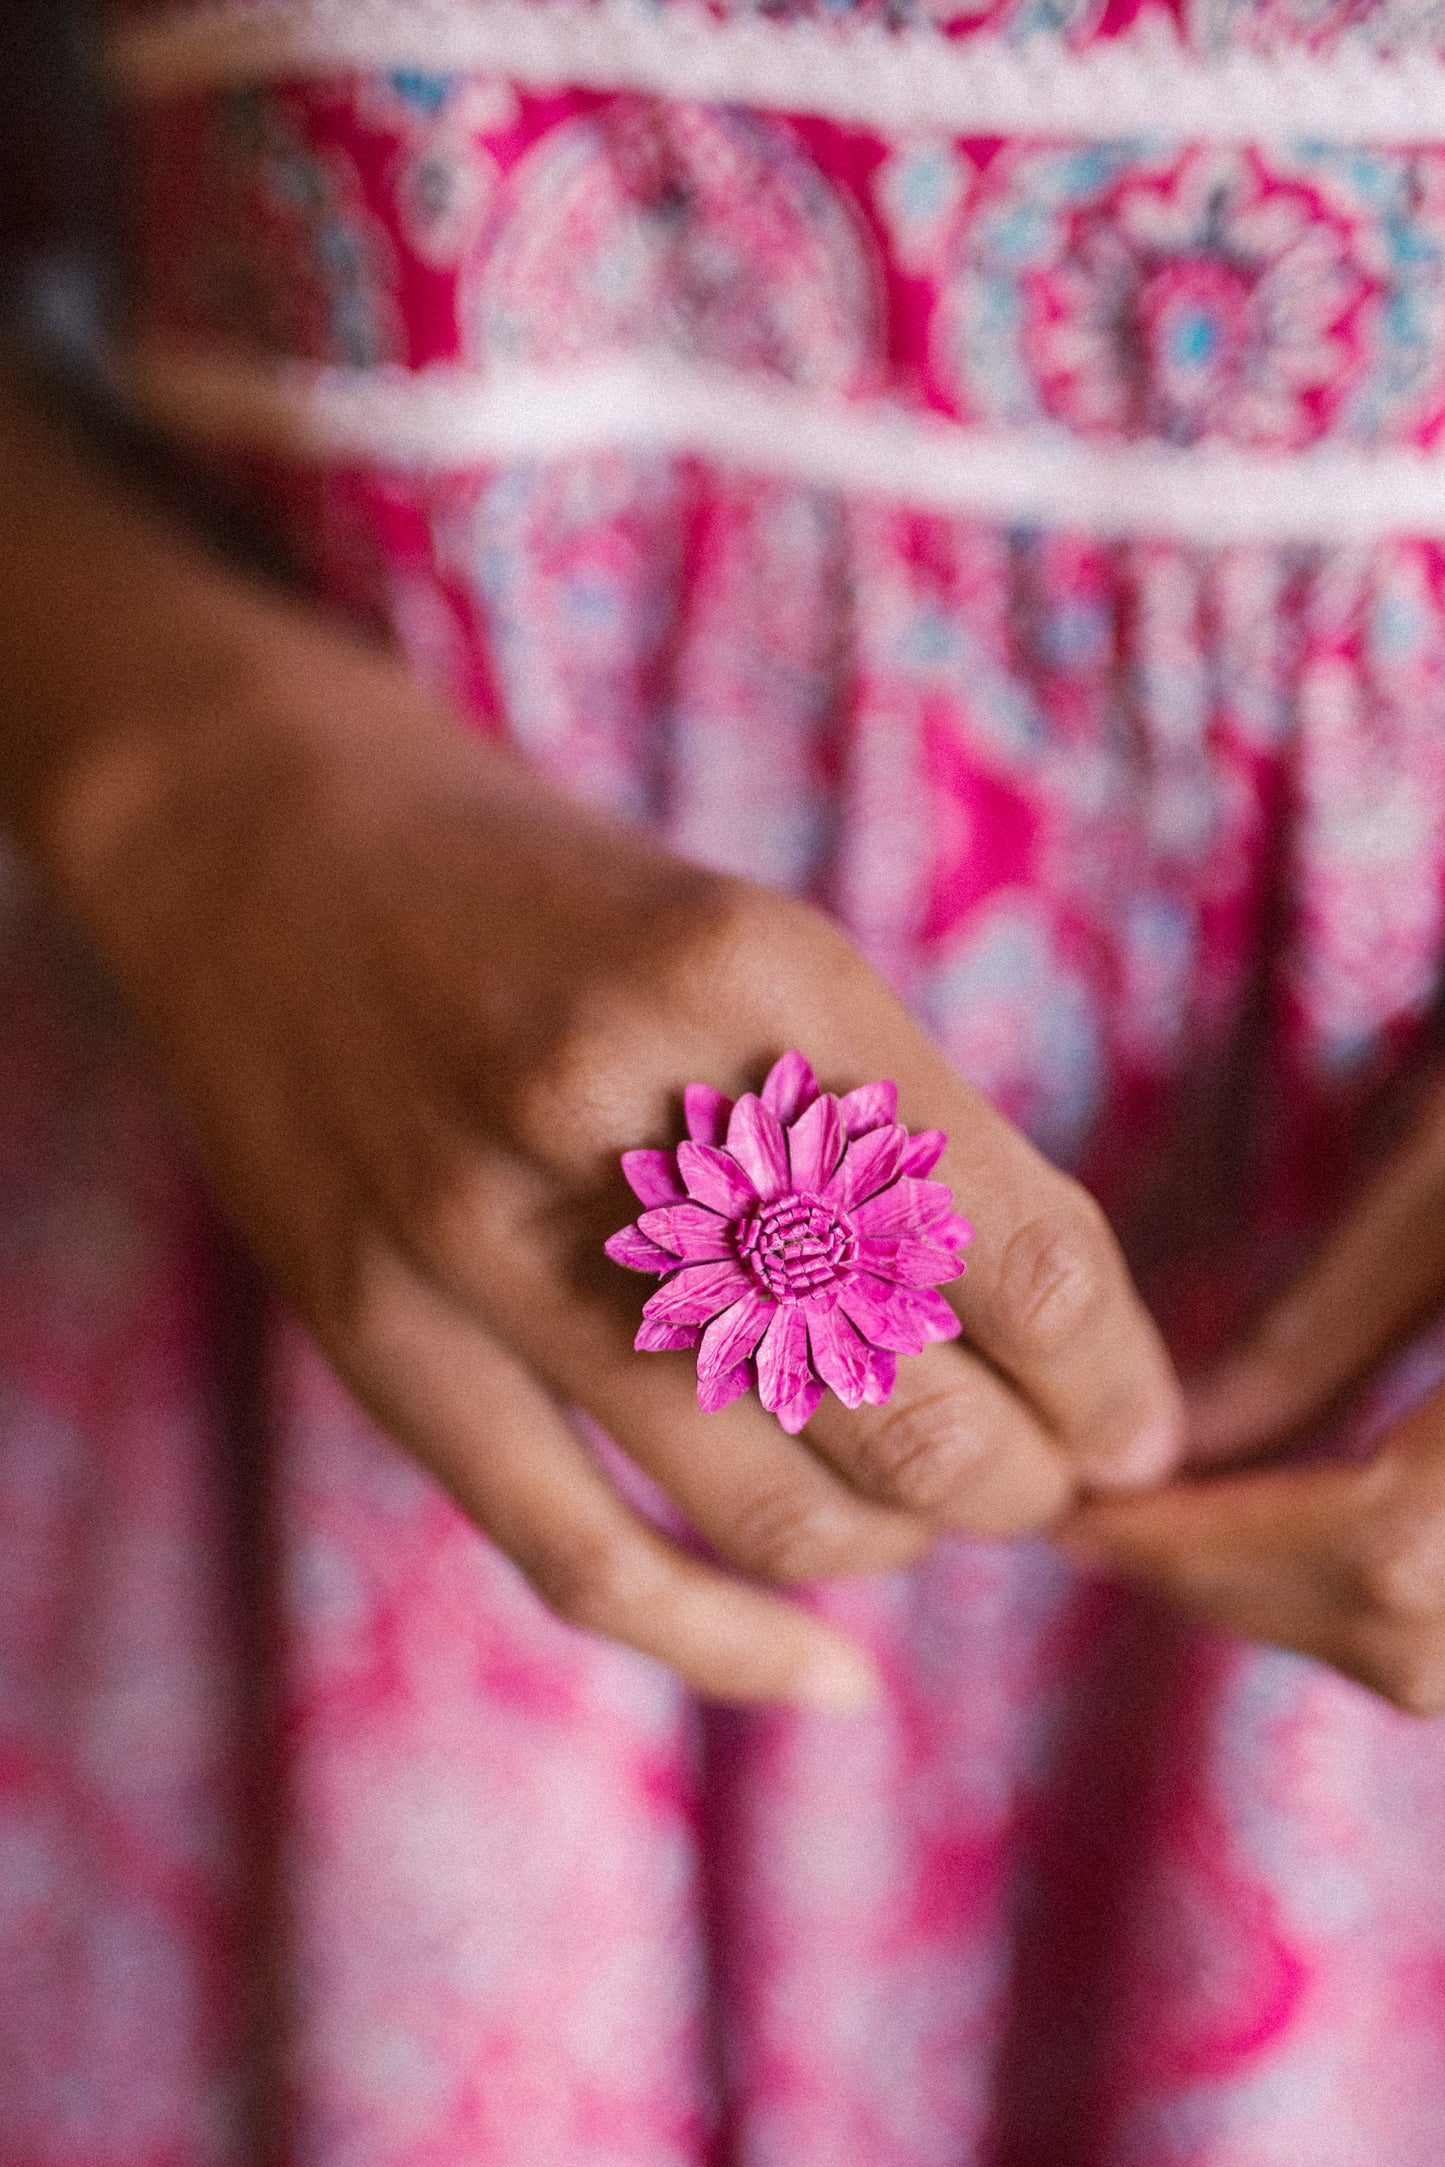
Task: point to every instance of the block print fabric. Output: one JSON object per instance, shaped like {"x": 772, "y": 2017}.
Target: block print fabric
{"x": 315, "y": 1829}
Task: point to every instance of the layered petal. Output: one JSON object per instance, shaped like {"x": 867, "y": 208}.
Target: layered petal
{"x": 653, "y": 1177}
{"x": 689, "y": 1231}
{"x": 882, "y": 1376}
{"x": 924, "y": 1151}
{"x": 714, "y": 1178}
{"x": 869, "y": 1164}
{"x": 697, "y": 1293}
{"x": 793, "y": 1413}
{"x": 839, "y": 1355}
{"x": 905, "y": 1207}
{"x": 952, "y": 1230}
{"x": 791, "y": 1087}
{"x": 938, "y": 1319}
{"x": 757, "y": 1142}
{"x": 631, "y": 1247}
{"x": 871, "y": 1106}
{"x": 889, "y": 1316}
{"x": 706, "y": 1113}
{"x": 715, "y": 1393}
{"x": 733, "y": 1335}
{"x": 783, "y": 1366}
{"x": 815, "y": 1144}
{"x": 655, "y": 1336}
{"x": 908, "y": 1260}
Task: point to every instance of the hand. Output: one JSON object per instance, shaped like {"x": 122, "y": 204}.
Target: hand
{"x": 417, "y": 1006}
{"x": 1343, "y": 1562}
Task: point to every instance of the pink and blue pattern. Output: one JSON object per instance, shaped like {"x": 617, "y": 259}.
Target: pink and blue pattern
{"x": 320, "y": 1840}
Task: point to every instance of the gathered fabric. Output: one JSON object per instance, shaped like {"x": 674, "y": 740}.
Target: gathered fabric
{"x": 980, "y": 471}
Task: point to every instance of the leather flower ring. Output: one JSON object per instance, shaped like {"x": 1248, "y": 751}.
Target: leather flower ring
{"x": 798, "y": 1240}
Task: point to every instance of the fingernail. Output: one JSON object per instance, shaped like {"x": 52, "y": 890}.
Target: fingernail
{"x": 838, "y": 1681}
{"x": 1150, "y": 1455}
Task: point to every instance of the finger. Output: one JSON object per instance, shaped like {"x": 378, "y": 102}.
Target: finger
{"x": 1344, "y": 1564}
{"x": 761, "y": 1499}
{"x": 1379, "y": 1275}
{"x": 953, "y": 1445}
{"x": 956, "y": 1434}
{"x": 1048, "y": 1299}
{"x": 471, "y": 1412}
{"x": 1261, "y": 1554}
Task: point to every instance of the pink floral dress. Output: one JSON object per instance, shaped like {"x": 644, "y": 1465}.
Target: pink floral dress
{"x": 980, "y": 463}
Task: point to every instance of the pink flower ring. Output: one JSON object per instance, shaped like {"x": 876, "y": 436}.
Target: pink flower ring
{"x": 798, "y": 1243}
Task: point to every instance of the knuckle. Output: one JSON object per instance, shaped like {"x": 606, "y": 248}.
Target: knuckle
{"x": 784, "y": 1534}
{"x": 722, "y": 933}
{"x": 917, "y": 1455}
{"x": 1401, "y": 1569}
{"x": 601, "y": 1585}
{"x": 461, "y": 1233}
{"x": 437, "y": 1207}
{"x": 1055, "y": 1273}
{"x": 557, "y": 1091}
{"x": 346, "y": 1296}
{"x": 1409, "y": 1672}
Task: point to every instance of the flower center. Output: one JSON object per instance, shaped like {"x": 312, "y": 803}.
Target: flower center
{"x": 795, "y": 1247}
{"x": 1197, "y": 320}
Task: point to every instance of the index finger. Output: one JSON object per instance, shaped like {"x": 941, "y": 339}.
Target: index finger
{"x": 1343, "y": 1563}
{"x": 1047, "y": 1296}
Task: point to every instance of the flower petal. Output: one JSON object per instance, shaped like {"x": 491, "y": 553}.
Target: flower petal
{"x": 714, "y": 1178}
{"x": 793, "y": 1413}
{"x": 697, "y": 1293}
{"x": 882, "y": 1376}
{"x": 939, "y": 1321}
{"x": 905, "y": 1207}
{"x": 790, "y": 1087}
{"x": 924, "y": 1151}
{"x": 656, "y": 1337}
{"x": 630, "y": 1246}
{"x": 653, "y": 1176}
{"x": 839, "y": 1355}
{"x": 733, "y": 1335}
{"x": 869, "y": 1164}
{"x": 908, "y": 1261}
{"x": 783, "y": 1366}
{"x": 715, "y": 1393}
{"x": 885, "y": 1314}
{"x": 757, "y": 1142}
{"x": 690, "y": 1231}
{"x": 952, "y": 1230}
{"x": 871, "y": 1106}
{"x": 706, "y": 1113}
{"x": 815, "y": 1144}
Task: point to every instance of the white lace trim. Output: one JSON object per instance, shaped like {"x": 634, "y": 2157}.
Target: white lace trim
{"x": 443, "y": 419}
{"x": 1145, "y": 83}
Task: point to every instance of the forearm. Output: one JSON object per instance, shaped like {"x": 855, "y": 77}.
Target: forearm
{"x": 134, "y": 664}
{"x": 166, "y": 721}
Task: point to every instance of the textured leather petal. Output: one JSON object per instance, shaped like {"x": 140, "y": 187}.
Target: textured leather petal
{"x": 706, "y": 1112}
{"x": 815, "y": 1144}
{"x": 653, "y": 1176}
{"x": 791, "y": 1086}
{"x": 757, "y": 1142}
